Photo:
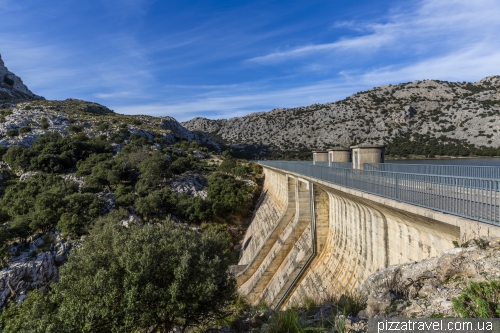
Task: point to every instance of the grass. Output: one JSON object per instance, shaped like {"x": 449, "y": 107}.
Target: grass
{"x": 349, "y": 304}
{"x": 287, "y": 321}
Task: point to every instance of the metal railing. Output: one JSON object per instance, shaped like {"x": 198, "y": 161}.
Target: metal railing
{"x": 470, "y": 171}
{"x": 474, "y": 198}
{"x": 342, "y": 165}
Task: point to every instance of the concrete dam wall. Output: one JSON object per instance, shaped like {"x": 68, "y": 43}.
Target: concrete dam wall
{"x": 313, "y": 239}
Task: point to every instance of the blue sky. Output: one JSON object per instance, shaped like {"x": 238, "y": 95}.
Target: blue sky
{"x": 221, "y": 59}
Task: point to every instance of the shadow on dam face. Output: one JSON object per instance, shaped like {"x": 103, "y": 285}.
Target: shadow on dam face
{"x": 312, "y": 239}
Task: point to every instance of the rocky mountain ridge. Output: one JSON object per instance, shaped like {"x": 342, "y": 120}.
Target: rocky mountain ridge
{"x": 458, "y": 110}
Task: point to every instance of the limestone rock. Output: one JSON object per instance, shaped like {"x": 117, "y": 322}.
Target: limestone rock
{"x": 191, "y": 184}
{"x": 35, "y": 267}
{"x": 425, "y": 288}
{"x": 379, "y": 300}
{"x": 454, "y": 265}
{"x": 12, "y": 87}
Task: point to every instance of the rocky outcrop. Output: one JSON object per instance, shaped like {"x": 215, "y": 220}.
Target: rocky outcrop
{"x": 12, "y": 88}
{"x": 425, "y": 288}
{"x": 457, "y": 110}
{"x": 191, "y": 184}
{"x": 35, "y": 266}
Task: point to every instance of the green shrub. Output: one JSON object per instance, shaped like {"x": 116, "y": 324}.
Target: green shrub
{"x": 143, "y": 278}
{"x": 183, "y": 164}
{"x": 53, "y": 153}
{"x": 102, "y": 126}
{"x": 227, "y": 194}
{"x": 75, "y": 128}
{"x": 44, "y": 124}
{"x": 479, "y": 300}
{"x": 25, "y": 129}
{"x": 12, "y": 132}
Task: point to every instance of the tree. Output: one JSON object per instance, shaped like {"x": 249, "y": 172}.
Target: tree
{"x": 145, "y": 278}
{"x": 228, "y": 165}
{"x": 226, "y": 193}
{"x": 155, "y": 168}
{"x": 17, "y": 157}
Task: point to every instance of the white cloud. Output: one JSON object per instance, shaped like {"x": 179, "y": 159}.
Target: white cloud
{"x": 465, "y": 65}
{"x": 242, "y": 104}
{"x": 434, "y": 25}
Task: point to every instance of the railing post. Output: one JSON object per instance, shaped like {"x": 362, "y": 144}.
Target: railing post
{"x": 346, "y": 177}
{"x": 396, "y": 185}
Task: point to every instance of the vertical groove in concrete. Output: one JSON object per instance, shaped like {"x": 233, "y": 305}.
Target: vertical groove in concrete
{"x": 254, "y": 258}
{"x": 322, "y": 225}
{"x": 293, "y": 256}
{"x": 255, "y": 285}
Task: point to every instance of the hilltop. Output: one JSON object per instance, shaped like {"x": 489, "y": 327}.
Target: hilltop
{"x": 463, "y": 115}
{"x": 23, "y": 123}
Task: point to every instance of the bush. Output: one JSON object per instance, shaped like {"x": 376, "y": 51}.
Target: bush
{"x": 12, "y": 132}
{"x": 183, "y": 164}
{"x": 124, "y": 196}
{"x": 17, "y": 157}
{"x": 43, "y": 201}
{"x": 102, "y": 126}
{"x": 75, "y": 128}
{"x": 479, "y": 300}
{"x": 227, "y": 194}
{"x": 44, "y": 124}
{"x": 142, "y": 278}
{"x": 25, "y": 129}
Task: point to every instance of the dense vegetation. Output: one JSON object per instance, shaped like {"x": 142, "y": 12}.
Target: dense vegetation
{"x": 429, "y": 146}
{"x": 144, "y": 278}
{"x": 152, "y": 275}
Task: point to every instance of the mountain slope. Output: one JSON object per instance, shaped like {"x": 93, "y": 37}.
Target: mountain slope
{"x": 462, "y": 111}
{"x": 12, "y": 88}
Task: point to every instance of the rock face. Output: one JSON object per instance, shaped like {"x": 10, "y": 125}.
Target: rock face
{"x": 425, "y": 288}
{"x": 191, "y": 184}
{"x": 34, "y": 268}
{"x": 457, "y": 110}
{"x": 12, "y": 88}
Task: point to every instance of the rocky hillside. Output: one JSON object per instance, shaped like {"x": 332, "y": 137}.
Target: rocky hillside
{"x": 467, "y": 112}
{"x": 12, "y": 88}
{"x": 23, "y": 123}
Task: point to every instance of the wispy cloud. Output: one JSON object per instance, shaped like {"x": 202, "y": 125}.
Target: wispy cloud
{"x": 433, "y": 24}
{"x": 366, "y": 43}
{"x": 237, "y": 105}
{"x": 470, "y": 64}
